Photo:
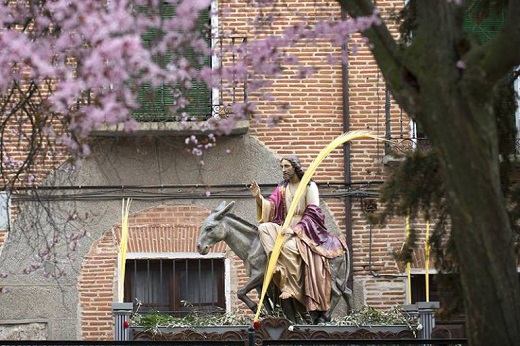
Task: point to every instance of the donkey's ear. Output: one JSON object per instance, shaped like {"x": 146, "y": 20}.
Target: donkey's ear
{"x": 230, "y": 206}
{"x": 223, "y": 209}
{"x": 221, "y": 206}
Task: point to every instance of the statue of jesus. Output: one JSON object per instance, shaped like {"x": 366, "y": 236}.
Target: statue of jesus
{"x": 302, "y": 270}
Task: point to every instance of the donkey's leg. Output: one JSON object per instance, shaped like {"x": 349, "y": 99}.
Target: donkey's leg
{"x": 269, "y": 303}
{"x": 339, "y": 285}
{"x": 254, "y": 281}
{"x": 338, "y": 291}
{"x": 334, "y": 299}
{"x": 335, "y": 295}
{"x": 347, "y": 296}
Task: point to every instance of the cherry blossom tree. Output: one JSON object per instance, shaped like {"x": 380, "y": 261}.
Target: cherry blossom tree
{"x": 68, "y": 67}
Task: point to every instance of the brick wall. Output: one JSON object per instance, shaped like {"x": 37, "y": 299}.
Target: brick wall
{"x": 315, "y": 118}
{"x": 3, "y": 237}
{"x": 166, "y": 229}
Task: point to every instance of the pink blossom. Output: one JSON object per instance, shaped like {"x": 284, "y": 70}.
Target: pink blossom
{"x": 111, "y": 61}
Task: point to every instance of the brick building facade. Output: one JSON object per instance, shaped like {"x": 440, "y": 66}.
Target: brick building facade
{"x": 172, "y": 191}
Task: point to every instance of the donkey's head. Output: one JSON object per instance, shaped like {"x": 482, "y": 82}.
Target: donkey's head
{"x": 211, "y": 231}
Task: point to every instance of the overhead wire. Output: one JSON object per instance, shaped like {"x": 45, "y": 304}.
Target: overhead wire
{"x": 158, "y": 193}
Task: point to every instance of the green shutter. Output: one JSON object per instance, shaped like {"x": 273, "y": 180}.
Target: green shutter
{"x": 199, "y": 95}
{"x": 156, "y": 103}
{"x": 484, "y": 23}
{"x": 483, "y": 26}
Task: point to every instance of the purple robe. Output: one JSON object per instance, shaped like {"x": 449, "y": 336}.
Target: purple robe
{"x": 310, "y": 229}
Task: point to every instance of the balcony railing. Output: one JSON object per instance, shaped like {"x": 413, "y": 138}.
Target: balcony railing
{"x": 403, "y": 145}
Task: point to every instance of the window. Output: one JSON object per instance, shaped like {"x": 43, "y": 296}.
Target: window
{"x": 176, "y": 286}
{"x": 157, "y": 102}
{"x": 417, "y": 135}
{"x": 418, "y": 286}
{"x": 447, "y": 298}
{"x": 4, "y": 211}
{"x": 484, "y": 29}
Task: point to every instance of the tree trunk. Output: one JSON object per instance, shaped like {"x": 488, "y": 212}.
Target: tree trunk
{"x": 446, "y": 84}
{"x": 455, "y": 109}
{"x": 480, "y": 230}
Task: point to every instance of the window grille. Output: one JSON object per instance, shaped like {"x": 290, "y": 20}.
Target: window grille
{"x": 175, "y": 286}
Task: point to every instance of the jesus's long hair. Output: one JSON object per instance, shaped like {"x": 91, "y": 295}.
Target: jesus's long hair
{"x": 295, "y": 162}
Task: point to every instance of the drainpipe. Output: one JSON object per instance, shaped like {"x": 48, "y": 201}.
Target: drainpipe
{"x": 346, "y": 151}
{"x": 388, "y": 129}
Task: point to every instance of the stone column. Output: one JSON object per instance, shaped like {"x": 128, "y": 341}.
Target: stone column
{"x": 410, "y": 310}
{"x": 122, "y": 313}
{"x": 427, "y": 318}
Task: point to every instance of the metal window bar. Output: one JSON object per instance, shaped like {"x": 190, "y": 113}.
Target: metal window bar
{"x": 134, "y": 282}
{"x": 200, "y": 291}
{"x": 199, "y": 283}
{"x": 388, "y": 128}
{"x": 161, "y": 294}
{"x": 407, "y": 139}
{"x": 147, "y": 287}
{"x": 173, "y": 287}
{"x": 231, "y": 50}
{"x": 187, "y": 274}
{"x": 213, "y": 298}
{"x": 233, "y": 59}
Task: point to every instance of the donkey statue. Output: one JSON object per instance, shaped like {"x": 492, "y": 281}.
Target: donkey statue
{"x": 242, "y": 237}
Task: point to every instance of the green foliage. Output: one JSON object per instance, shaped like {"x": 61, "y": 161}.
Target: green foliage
{"x": 407, "y": 21}
{"x": 405, "y": 254}
{"x": 415, "y": 189}
{"x": 154, "y": 319}
{"x": 451, "y": 303}
{"x": 367, "y": 316}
